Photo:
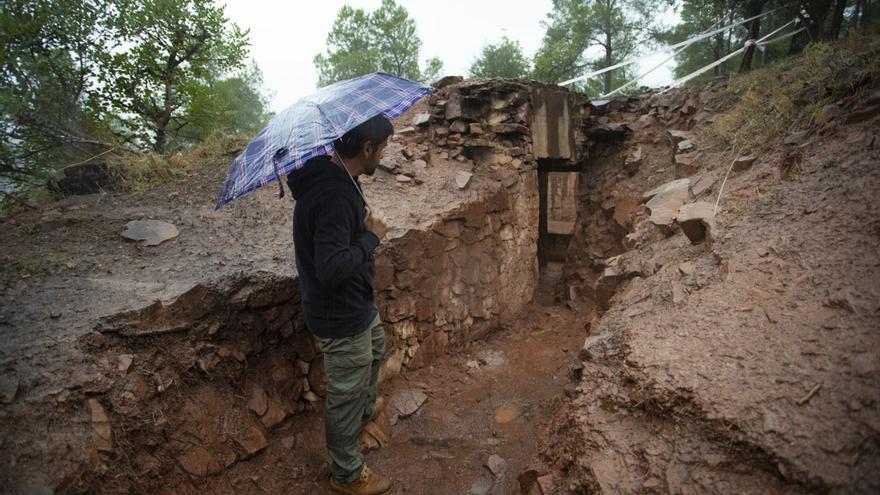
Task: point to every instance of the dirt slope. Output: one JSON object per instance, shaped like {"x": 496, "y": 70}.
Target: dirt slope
{"x": 746, "y": 364}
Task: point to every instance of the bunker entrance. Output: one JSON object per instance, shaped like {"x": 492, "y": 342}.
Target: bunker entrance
{"x": 558, "y": 208}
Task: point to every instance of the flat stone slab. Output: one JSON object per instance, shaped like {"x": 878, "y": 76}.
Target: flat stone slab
{"x": 151, "y": 232}
{"x": 407, "y": 401}
{"x": 666, "y": 199}
{"x": 697, "y": 221}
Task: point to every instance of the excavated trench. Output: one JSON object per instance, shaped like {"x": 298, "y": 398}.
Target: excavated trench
{"x": 204, "y": 382}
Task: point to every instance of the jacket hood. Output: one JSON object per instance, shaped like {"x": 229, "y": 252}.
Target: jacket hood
{"x": 315, "y": 172}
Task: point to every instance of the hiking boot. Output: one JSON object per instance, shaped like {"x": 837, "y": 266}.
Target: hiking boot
{"x": 369, "y": 483}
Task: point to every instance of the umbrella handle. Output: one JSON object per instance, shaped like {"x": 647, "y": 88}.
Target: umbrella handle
{"x": 345, "y": 167}
{"x": 278, "y": 172}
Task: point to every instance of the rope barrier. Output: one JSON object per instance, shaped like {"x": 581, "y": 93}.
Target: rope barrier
{"x": 674, "y": 54}
{"x": 748, "y": 43}
{"x": 688, "y": 41}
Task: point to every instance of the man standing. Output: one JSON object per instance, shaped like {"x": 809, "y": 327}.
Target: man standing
{"x": 334, "y": 236}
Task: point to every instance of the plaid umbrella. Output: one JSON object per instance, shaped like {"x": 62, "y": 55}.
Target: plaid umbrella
{"x": 309, "y": 127}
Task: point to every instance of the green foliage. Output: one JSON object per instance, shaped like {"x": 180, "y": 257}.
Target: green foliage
{"x": 168, "y": 44}
{"x": 762, "y": 102}
{"x": 49, "y": 54}
{"x": 503, "y": 59}
{"x": 614, "y": 28}
{"x": 433, "y": 70}
{"x": 80, "y": 77}
{"x": 233, "y": 105}
{"x": 360, "y": 43}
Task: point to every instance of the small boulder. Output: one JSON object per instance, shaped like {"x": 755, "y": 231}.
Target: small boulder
{"x": 407, "y": 401}
{"x": 697, "y": 221}
{"x": 462, "y": 179}
{"x": 421, "y": 119}
{"x": 744, "y": 163}
{"x": 496, "y": 465}
{"x": 446, "y": 81}
{"x": 685, "y": 146}
{"x": 151, "y": 232}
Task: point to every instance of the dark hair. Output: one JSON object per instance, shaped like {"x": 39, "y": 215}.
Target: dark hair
{"x": 375, "y": 130}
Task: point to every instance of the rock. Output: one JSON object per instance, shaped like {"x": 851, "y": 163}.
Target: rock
{"x": 744, "y": 163}
{"x": 85, "y": 178}
{"x": 257, "y": 400}
{"x": 446, "y": 81}
{"x": 245, "y": 432}
{"x": 703, "y": 184}
{"x": 686, "y": 268}
{"x": 407, "y": 130}
{"x": 666, "y": 199}
{"x": 462, "y": 179}
{"x": 152, "y": 232}
{"x": 311, "y": 396}
{"x": 633, "y": 161}
{"x": 389, "y": 167}
{"x": 459, "y": 126}
{"x": 496, "y": 465}
{"x": 796, "y": 138}
{"x": 100, "y": 426}
{"x": 685, "y": 166}
{"x": 476, "y": 129}
{"x": 678, "y": 292}
{"x": 8, "y": 387}
{"x": 678, "y": 136}
{"x": 403, "y": 179}
{"x": 667, "y": 187}
{"x": 123, "y": 362}
{"x": 288, "y": 442}
{"x": 317, "y": 380}
{"x": 407, "y": 401}
{"x": 596, "y": 347}
{"x": 832, "y": 112}
{"x": 863, "y": 115}
{"x": 481, "y": 487}
{"x": 697, "y": 221}
{"x": 685, "y": 146}
{"x": 198, "y": 461}
{"x": 421, "y": 119}
{"x": 510, "y": 181}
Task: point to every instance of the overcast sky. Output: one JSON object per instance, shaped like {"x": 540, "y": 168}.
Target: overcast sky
{"x": 286, "y": 34}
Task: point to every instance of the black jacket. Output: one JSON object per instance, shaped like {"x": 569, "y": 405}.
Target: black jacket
{"x": 334, "y": 252}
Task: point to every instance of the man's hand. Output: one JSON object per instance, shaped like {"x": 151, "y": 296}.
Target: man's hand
{"x": 375, "y": 223}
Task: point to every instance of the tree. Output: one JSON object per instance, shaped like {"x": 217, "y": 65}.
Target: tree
{"x": 613, "y": 27}
{"x": 433, "y": 70}
{"x": 360, "y": 42}
{"x": 233, "y": 105}
{"x": 168, "y": 44}
{"x": 49, "y": 55}
{"x": 698, "y": 16}
{"x": 503, "y": 59}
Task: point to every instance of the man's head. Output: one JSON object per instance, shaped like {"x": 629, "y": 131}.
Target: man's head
{"x": 362, "y": 147}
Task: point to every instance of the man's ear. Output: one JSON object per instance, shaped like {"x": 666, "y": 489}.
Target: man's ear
{"x": 368, "y": 148}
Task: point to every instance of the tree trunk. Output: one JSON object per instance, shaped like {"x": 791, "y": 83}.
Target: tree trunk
{"x": 608, "y": 59}
{"x": 865, "y": 23}
{"x": 837, "y": 20}
{"x": 753, "y": 8}
{"x": 164, "y": 117}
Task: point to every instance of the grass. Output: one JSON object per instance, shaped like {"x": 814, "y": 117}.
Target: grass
{"x": 142, "y": 172}
{"x": 772, "y": 101}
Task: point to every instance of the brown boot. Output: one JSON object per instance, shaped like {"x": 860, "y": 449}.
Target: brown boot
{"x": 369, "y": 483}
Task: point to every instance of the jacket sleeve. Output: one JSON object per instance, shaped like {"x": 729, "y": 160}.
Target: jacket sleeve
{"x": 336, "y": 257}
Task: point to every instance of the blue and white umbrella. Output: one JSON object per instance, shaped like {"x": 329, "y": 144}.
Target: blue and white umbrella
{"x": 309, "y": 127}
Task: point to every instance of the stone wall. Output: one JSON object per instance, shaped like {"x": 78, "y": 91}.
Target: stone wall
{"x": 454, "y": 282}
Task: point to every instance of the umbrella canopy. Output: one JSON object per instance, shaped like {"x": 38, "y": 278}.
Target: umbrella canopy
{"x": 309, "y": 127}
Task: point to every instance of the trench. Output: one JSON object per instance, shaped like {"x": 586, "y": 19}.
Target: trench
{"x": 221, "y": 390}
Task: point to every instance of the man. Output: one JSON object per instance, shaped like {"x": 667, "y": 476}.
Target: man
{"x": 334, "y": 236}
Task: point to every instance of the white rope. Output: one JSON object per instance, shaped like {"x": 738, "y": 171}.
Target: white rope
{"x": 674, "y": 54}
{"x": 673, "y": 47}
{"x": 747, "y": 44}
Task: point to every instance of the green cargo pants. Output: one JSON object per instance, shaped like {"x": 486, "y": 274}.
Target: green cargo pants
{"x": 351, "y": 365}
